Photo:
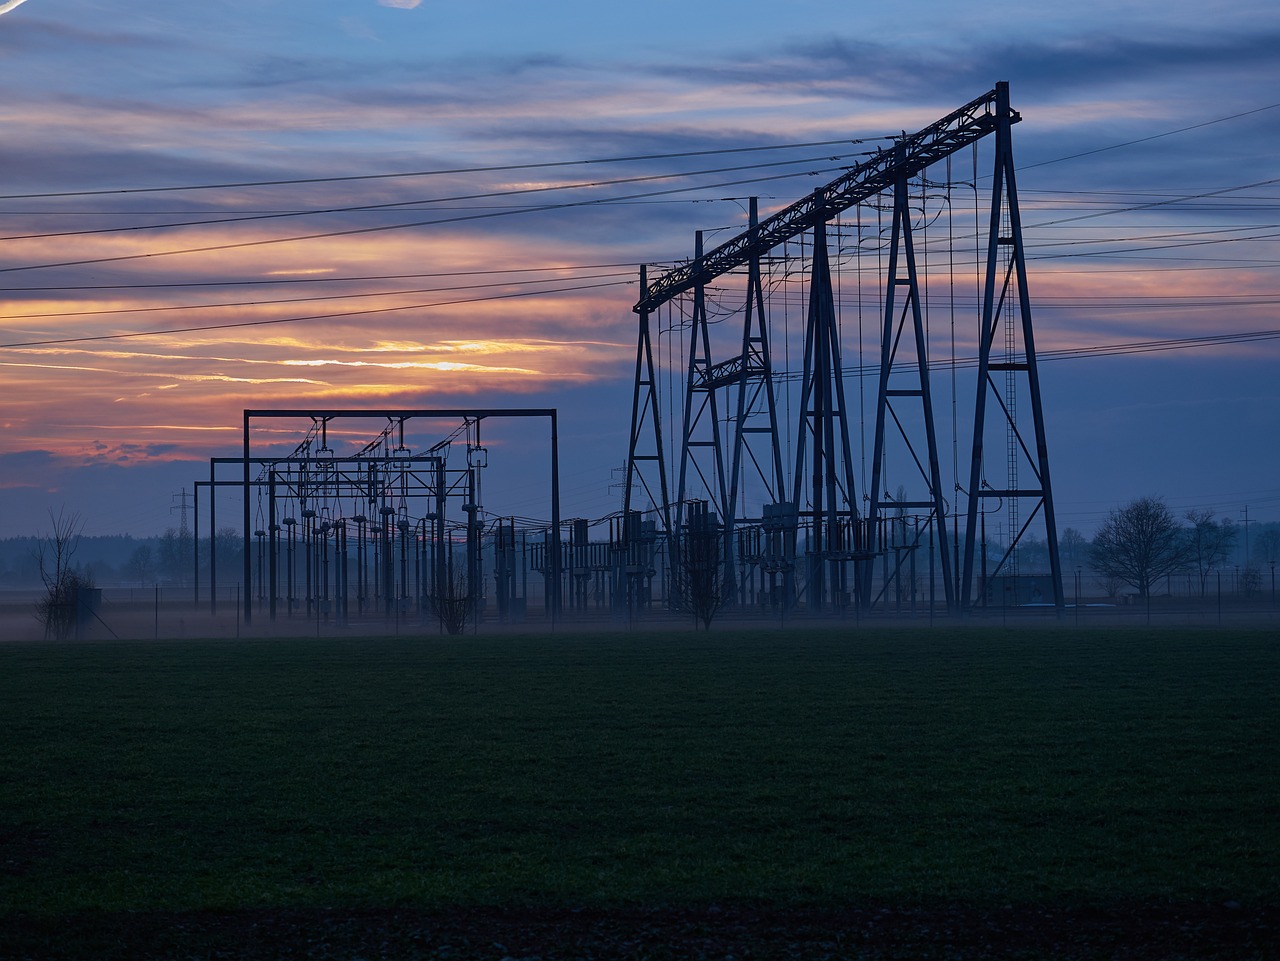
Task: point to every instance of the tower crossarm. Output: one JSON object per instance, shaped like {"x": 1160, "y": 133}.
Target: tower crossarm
{"x": 730, "y": 371}
{"x": 909, "y": 155}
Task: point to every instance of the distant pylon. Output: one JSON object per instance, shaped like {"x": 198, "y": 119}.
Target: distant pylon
{"x": 183, "y": 529}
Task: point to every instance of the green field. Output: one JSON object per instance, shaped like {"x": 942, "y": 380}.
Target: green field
{"x": 797, "y": 770}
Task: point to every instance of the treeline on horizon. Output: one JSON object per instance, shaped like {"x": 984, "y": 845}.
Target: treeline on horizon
{"x": 122, "y": 560}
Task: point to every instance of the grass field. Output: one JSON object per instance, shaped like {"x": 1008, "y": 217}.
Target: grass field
{"x": 801, "y": 771}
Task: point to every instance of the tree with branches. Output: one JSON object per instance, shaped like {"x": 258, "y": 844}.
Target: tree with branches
{"x": 1209, "y": 543}
{"x": 141, "y": 565}
{"x": 57, "y": 607}
{"x": 452, "y": 602}
{"x": 1140, "y": 543}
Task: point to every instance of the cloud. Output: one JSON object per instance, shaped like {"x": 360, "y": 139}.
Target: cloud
{"x": 130, "y": 101}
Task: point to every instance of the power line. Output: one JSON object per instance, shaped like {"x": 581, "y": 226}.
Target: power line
{"x": 1158, "y": 136}
{"x": 313, "y": 280}
{"x": 295, "y": 320}
{"x": 403, "y": 204}
{"x": 1152, "y": 204}
{"x": 1078, "y": 353}
{"x": 355, "y": 231}
{"x": 497, "y": 168}
{"x": 298, "y": 300}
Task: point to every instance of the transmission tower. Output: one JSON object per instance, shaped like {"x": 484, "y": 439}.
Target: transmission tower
{"x": 821, "y": 490}
{"x": 1006, "y": 308}
{"x": 181, "y": 506}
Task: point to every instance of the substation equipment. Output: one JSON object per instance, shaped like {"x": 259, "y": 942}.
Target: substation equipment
{"x": 389, "y": 531}
{"x": 768, "y": 457}
{"x": 384, "y": 531}
{"x": 735, "y": 462}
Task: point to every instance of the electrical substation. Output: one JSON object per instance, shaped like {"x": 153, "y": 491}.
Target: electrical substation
{"x": 835, "y": 412}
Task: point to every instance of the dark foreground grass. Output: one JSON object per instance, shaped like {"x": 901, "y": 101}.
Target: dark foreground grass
{"x": 798, "y": 773}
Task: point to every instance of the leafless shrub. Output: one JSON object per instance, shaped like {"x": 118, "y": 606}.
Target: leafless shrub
{"x": 57, "y": 608}
{"x": 452, "y": 603}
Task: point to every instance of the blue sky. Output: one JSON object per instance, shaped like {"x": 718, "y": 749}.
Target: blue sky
{"x": 1176, "y": 241}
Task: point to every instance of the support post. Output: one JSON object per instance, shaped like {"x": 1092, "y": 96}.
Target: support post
{"x": 248, "y": 554}
{"x": 903, "y": 275}
{"x": 699, "y": 402}
{"x": 555, "y": 517}
{"x": 754, "y": 387}
{"x": 1006, "y": 282}
{"x": 824, "y": 425}
{"x": 646, "y": 425}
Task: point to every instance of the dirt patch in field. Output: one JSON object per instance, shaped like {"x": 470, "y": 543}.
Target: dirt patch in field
{"x": 1136, "y": 932}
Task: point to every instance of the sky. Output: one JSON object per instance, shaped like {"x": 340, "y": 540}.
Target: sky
{"x": 411, "y": 204}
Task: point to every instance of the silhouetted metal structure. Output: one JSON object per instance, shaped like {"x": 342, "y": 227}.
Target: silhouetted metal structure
{"x": 819, "y": 509}
{"x": 1006, "y": 307}
{"x": 367, "y": 497}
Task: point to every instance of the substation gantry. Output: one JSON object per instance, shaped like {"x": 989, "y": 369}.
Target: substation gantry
{"x": 795, "y": 530}
{"x": 321, "y": 529}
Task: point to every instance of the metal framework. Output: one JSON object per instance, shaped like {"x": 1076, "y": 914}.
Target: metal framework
{"x": 646, "y": 463}
{"x": 904, "y": 275}
{"x": 911, "y": 155}
{"x": 1006, "y": 305}
{"x": 822, "y": 501}
{"x": 353, "y": 474}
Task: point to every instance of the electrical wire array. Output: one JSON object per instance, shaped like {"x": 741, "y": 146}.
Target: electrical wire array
{"x": 87, "y": 268}
{"x": 1078, "y": 225}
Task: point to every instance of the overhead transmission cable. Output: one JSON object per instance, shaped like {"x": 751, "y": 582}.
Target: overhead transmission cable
{"x": 355, "y": 231}
{"x": 294, "y": 320}
{"x": 304, "y": 300}
{"x": 316, "y": 280}
{"x": 1157, "y": 136}
{"x": 494, "y": 168}
{"x": 404, "y": 204}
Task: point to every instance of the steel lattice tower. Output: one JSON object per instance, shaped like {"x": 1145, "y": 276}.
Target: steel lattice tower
{"x": 821, "y": 488}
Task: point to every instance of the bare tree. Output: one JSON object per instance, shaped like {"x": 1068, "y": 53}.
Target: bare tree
{"x": 1109, "y": 585}
{"x": 56, "y": 609}
{"x": 452, "y": 602}
{"x": 1072, "y": 548}
{"x": 1250, "y": 581}
{"x": 1139, "y": 544}
{"x": 141, "y": 565}
{"x": 1266, "y": 546}
{"x": 175, "y": 555}
{"x": 1209, "y": 542}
